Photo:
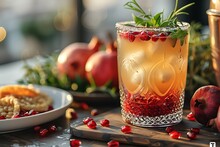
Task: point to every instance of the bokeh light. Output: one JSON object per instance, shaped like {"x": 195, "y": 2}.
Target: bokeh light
{"x": 2, "y": 34}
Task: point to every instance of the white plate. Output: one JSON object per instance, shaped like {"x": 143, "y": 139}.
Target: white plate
{"x": 61, "y": 101}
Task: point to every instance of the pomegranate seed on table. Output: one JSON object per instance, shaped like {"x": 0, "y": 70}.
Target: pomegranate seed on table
{"x": 94, "y": 112}
{"x": 37, "y": 128}
{"x": 191, "y": 135}
{"x": 52, "y": 128}
{"x": 74, "y": 115}
{"x": 91, "y": 124}
{"x": 75, "y": 143}
{"x": 190, "y": 117}
{"x": 113, "y": 143}
{"x": 43, "y": 132}
{"x": 104, "y": 122}
{"x": 126, "y": 129}
{"x": 84, "y": 106}
{"x": 195, "y": 130}
{"x": 87, "y": 119}
{"x": 169, "y": 129}
{"x": 175, "y": 134}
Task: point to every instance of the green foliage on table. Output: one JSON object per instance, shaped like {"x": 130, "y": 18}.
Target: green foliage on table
{"x": 200, "y": 71}
{"x": 44, "y": 72}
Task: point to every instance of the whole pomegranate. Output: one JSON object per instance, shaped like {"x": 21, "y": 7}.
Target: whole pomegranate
{"x": 205, "y": 103}
{"x": 72, "y": 59}
{"x": 101, "y": 67}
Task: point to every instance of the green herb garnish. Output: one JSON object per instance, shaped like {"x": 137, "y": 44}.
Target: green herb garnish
{"x": 157, "y": 20}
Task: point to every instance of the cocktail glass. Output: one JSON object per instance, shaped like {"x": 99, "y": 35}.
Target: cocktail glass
{"x": 152, "y": 69}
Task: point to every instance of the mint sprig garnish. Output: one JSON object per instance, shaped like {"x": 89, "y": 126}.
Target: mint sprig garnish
{"x": 157, "y": 20}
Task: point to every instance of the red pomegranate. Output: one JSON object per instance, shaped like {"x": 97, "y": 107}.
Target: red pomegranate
{"x": 101, "y": 67}
{"x": 205, "y": 103}
{"x": 72, "y": 59}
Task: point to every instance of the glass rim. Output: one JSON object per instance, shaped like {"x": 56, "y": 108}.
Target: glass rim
{"x": 213, "y": 12}
{"x": 126, "y": 27}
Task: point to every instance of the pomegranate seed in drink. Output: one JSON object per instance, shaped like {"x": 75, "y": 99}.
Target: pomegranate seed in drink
{"x": 128, "y": 95}
{"x": 150, "y": 33}
{"x": 190, "y": 117}
{"x": 124, "y": 35}
{"x": 113, "y": 143}
{"x": 155, "y": 38}
{"x": 144, "y": 36}
{"x": 169, "y": 129}
{"x": 37, "y": 128}
{"x": 175, "y": 134}
{"x": 53, "y": 128}
{"x": 75, "y": 142}
{"x": 131, "y": 37}
{"x": 94, "y": 112}
{"x": 104, "y": 122}
{"x": 162, "y": 37}
{"x": 86, "y": 120}
{"x": 195, "y": 130}
{"x": 191, "y": 135}
{"x": 126, "y": 129}
{"x": 135, "y": 33}
{"x": 43, "y": 132}
{"x": 91, "y": 124}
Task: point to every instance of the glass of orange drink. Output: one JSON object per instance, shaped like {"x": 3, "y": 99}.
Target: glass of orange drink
{"x": 152, "y": 67}
{"x": 152, "y": 70}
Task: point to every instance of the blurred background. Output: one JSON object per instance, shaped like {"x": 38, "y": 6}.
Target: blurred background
{"x": 39, "y": 27}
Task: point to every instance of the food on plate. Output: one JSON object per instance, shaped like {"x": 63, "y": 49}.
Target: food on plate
{"x": 17, "y": 90}
{"x": 16, "y": 100}
{"x": 9, "y": 106}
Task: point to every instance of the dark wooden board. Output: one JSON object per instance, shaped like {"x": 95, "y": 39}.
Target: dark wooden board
{"x": 144, "y": 136}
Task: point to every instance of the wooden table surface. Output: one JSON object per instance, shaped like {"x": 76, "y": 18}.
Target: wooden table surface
{"x": 10, "y": 73}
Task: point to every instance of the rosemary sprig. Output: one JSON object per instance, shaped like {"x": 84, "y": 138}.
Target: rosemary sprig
{"x": 157, "y": 20}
